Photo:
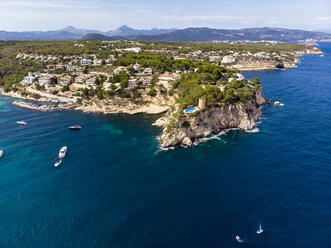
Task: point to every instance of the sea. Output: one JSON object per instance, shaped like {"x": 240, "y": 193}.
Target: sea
{"x": 117, "y": 188}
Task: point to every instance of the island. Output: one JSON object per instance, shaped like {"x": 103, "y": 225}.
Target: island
{"x": 197, "y": 85}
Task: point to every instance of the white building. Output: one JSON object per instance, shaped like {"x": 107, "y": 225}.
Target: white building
{"x": 132, "y": 49}
{"x": 136, "y": 67}
{"x": 28, "y": 79}
{"x": 85, "y": 61}
{"x": 148, "y": 71}
{"x": 228, "y": 59}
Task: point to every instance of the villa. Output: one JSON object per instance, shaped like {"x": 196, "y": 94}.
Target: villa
{"x": 148, "y": 71}
{"x": 85, "y": 61}
{"x": 133, "y": 84}
{"x": 147, "y": 80}
{"x": 65, "y": 80}
{"x": 45, "y": 80}
{"x": 28, "y": 79}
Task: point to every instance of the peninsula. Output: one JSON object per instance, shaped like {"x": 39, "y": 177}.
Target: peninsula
{"x": 197, "y": 85}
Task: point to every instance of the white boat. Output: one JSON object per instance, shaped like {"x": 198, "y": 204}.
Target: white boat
{"x": 260, "y": 230}
{"x": 58, "y": 163}
{"x": 63, "y": 152}
{"x": 23, "y": 123}
{"x": 76, "y": 127}
{"x": 1, "y": 152}
{"x": 238, "y": 238}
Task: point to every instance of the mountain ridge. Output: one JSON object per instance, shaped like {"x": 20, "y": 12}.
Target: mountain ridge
{"x": 202, "y": 34}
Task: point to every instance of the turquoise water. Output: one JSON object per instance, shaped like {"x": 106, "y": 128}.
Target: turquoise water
{"x": 116, "y": 189}
{"x": 191, "y": 110}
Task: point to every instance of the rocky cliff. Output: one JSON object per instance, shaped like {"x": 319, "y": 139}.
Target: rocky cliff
{"x": 212, "y": 120}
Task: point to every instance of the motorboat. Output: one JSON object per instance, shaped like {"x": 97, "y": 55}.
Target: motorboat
{"x": 1, "y": 153}
{"x": 23, "y": 123}
{"x": 57, "y": 163}
{"x": 76, "y": 127}
{"x": 260, "y": 230}
{"x": 63, "y": 152}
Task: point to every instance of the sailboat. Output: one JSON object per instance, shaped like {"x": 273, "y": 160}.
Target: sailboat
{"x": 260, "y": 230}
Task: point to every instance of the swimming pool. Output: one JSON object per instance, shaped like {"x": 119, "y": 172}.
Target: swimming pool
{"x": 190, "y": 110}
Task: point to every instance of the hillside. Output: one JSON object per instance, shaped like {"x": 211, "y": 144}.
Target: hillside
{"x": 253, "y": 34}
{"x": 100, "y": 37}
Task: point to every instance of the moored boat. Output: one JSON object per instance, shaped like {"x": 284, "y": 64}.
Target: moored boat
{"x": 23, "y": 123}
{"x": 76, "y": 127}
{"x": 63, "y": 152}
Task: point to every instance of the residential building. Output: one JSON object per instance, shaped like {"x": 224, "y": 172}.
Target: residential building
{"x": 147, "y": 80}
{"x": 64, "y": 80}
{"x": 133, "y": 83}
{"x": 28, "y": 79}
{"x": 82, "y": 78}
{"x": 91, "y": 82}
{"x": 136, "y": 67}
{"x": 85, "y": 61}
{"x": 228, "y": 59}
{"x": 148, "y": 71}
{"x": 45, "y": 80}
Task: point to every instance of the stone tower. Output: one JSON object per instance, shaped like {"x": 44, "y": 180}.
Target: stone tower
{"x": 202, "y": 103}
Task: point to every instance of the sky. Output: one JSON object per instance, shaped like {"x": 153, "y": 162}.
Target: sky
{"x": 105, "y": 15}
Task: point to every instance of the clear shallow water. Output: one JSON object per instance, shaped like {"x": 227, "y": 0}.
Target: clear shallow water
{"x": 115, "y": 189}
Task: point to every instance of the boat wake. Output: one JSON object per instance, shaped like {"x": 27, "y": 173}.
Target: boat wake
{"x": 240, "y": 240}
{"x": 254, "y": 130}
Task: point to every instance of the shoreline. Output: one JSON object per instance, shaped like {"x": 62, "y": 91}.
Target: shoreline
{"x": 107, "y": 108}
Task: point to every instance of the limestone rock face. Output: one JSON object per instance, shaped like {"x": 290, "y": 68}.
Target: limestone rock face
{"x": 212, "y": 121}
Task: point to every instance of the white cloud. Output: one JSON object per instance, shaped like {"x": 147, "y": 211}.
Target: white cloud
{"x": 51, "y": 4}
{"x": 325, "y": 19}
{"x": 205, "y": 18}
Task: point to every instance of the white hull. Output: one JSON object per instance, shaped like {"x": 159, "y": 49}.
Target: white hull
{"x": 23, "y": 123}
{"x": 63, "y": 152}
{"x": 58, "y": 163}
{"x": 1, "y": 153}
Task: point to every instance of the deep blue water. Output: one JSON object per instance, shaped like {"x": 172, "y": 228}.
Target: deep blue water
{"x": 115, "y": 189}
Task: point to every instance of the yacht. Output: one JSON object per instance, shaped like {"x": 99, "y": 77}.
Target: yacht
{"x": 76, "y": 127}
{"x": 23, "y": 123}
{"x": 63, "y": 152}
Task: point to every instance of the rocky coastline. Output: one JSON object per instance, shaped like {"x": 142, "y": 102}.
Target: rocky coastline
{"x": 157, "y": 105}
{"x": 192, "y": 128}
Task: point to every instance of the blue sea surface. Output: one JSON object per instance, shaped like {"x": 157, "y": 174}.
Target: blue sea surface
{"x": 115, "y": 188}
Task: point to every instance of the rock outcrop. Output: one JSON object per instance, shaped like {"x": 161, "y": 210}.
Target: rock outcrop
{"x": 192, "y": 127}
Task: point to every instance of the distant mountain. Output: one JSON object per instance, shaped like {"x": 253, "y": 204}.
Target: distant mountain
{"x": 100, "y": 37}
{"x": 188, "y": 34}
{"x": 253, "y": 34}
{"x": 72, "y": 33}
{"x": 127, "y": 31}
{"x": 324, "y": 31}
